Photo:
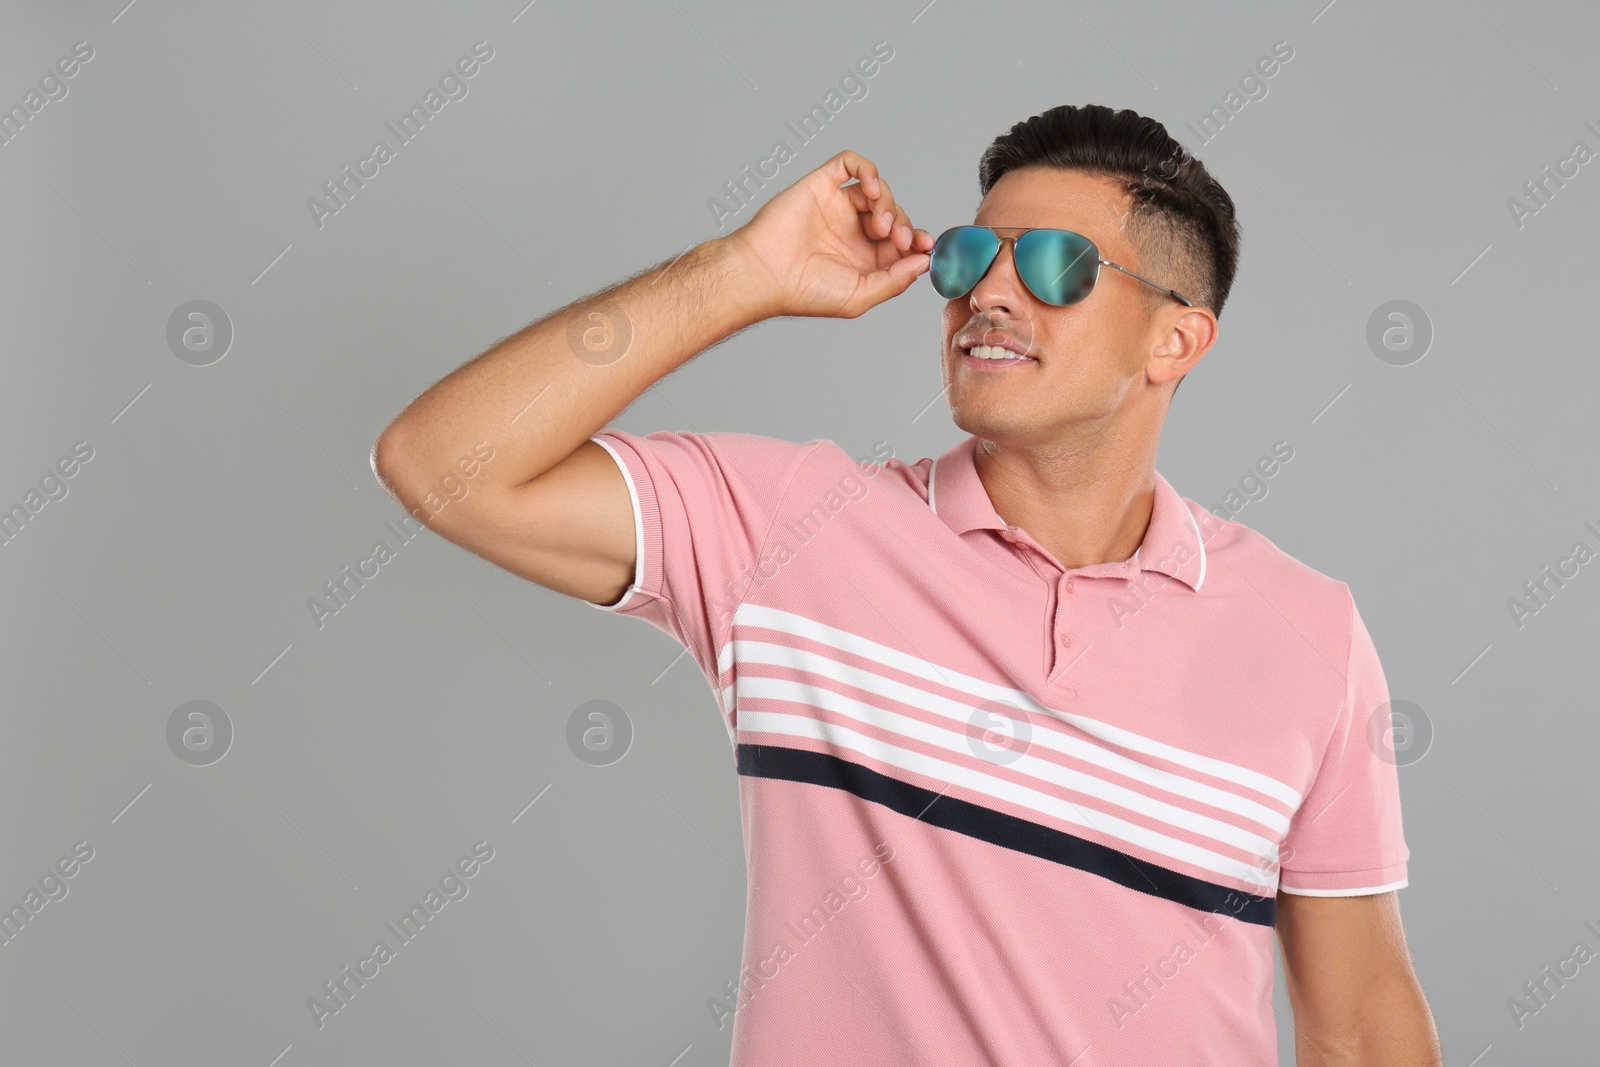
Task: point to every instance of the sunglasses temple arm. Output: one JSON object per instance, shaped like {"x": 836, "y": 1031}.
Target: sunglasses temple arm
{"x": 1181, "y": 298}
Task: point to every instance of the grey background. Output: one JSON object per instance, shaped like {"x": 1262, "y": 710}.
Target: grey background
{"x": 370, "y": 754}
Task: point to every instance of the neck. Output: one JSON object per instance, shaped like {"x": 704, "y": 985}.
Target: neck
{"x": 1083, "y": 506}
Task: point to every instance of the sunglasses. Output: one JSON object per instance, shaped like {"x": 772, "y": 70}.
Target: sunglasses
{"x": 1058, "y": 266}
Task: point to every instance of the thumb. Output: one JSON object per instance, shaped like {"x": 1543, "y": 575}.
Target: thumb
{"x": 895, "y": 279}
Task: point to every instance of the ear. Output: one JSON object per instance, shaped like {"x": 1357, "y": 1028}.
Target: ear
{"x": 1183, "y": 335}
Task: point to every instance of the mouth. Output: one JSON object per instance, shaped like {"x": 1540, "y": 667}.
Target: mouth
{"x": 1002, "y": 352}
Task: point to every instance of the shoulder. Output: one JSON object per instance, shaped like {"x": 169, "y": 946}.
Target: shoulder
{"x": 754, "y": 459}
{"x": 768, "y": 465}
{"x": 1245, "y": 561}
{"x": 826, "y": 465}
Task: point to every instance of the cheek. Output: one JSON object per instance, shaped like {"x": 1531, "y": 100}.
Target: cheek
{"x": 1074, "y": 340}
{"x": 951, "y": 321}
{"x": 1100, "y": 344}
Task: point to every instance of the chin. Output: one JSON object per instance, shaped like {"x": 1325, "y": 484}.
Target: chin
{"x": 985, "y": 422}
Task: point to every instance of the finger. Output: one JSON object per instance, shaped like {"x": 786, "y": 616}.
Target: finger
{"x": 905, "y": 238}
{"x": 903, "y": 233}
{"x": 877, "y": 229}
{"x": 893, "y": 280}
{"x": 858, "y": 199}
{"x": 891, "y": 239}
{"x": 877, "y": 222}
{"x": 869, "y": 207}
{"x": 848, "y": 164}
{"x": 916, "y": 240}
{"x": 882, "y": 218}
{"x": 881, "y": 226}
{"x": 887, "y": 212}
{"x": 909, "y": 238}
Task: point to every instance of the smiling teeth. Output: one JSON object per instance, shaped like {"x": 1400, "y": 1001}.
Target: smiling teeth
{"x": 994, "y": 352}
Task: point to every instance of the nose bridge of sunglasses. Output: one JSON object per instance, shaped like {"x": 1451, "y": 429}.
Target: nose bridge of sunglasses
{"x": 1000, "y": 251}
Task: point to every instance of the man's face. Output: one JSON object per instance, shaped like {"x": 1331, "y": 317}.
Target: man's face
{"x": 1091, "y": 355}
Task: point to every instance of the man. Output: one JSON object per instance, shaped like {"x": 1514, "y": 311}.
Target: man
{"x": 1034, "y": 754}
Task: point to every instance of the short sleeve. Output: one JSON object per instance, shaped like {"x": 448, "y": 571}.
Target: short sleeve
{"x": 703, "y": 509}
{"x": 1346, "y": 839}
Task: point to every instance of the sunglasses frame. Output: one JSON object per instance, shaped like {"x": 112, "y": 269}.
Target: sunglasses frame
{"x": 1000, "y": 243}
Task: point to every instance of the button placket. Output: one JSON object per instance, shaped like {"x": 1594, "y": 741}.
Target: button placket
{"x": 1063, "y": 638}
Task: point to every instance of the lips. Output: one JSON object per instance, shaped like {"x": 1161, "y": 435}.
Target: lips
{"x": 994, "y": 339}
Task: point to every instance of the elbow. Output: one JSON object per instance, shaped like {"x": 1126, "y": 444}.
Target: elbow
{"x": 388, "y": 461}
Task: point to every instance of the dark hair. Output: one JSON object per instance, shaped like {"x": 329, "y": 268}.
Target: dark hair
{"x": 1181, "y": 223}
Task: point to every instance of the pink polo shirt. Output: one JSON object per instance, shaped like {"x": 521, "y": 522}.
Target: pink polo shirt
{"x": 997, "y": 812}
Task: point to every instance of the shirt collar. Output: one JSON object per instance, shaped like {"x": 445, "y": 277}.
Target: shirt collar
{"x": 1172, "y": 542}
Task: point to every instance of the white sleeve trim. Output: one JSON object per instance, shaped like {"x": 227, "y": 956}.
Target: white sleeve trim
{"x": 638, "y": 532}
{"x": 1401, "y": 884}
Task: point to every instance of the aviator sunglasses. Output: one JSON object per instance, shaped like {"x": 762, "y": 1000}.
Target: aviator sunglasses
{"x": 1058, "y": 266}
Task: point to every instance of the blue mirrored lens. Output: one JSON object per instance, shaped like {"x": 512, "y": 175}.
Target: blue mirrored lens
{"x": 959, "y": 258}
{"x": 1058, "y": 266}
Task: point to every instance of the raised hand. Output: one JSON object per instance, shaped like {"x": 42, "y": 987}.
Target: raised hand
{"x": 826, "y": 249}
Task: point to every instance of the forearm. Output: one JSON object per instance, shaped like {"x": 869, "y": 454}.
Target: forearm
{"x": 1395, "y": 1029}
{"x": 1399, "y": 1030}
{"x": 540, "y": 393}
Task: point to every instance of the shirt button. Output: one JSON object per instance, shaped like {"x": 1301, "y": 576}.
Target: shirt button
{"x": 1069, "y": 585}
{"x": 1066, "y": 639}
